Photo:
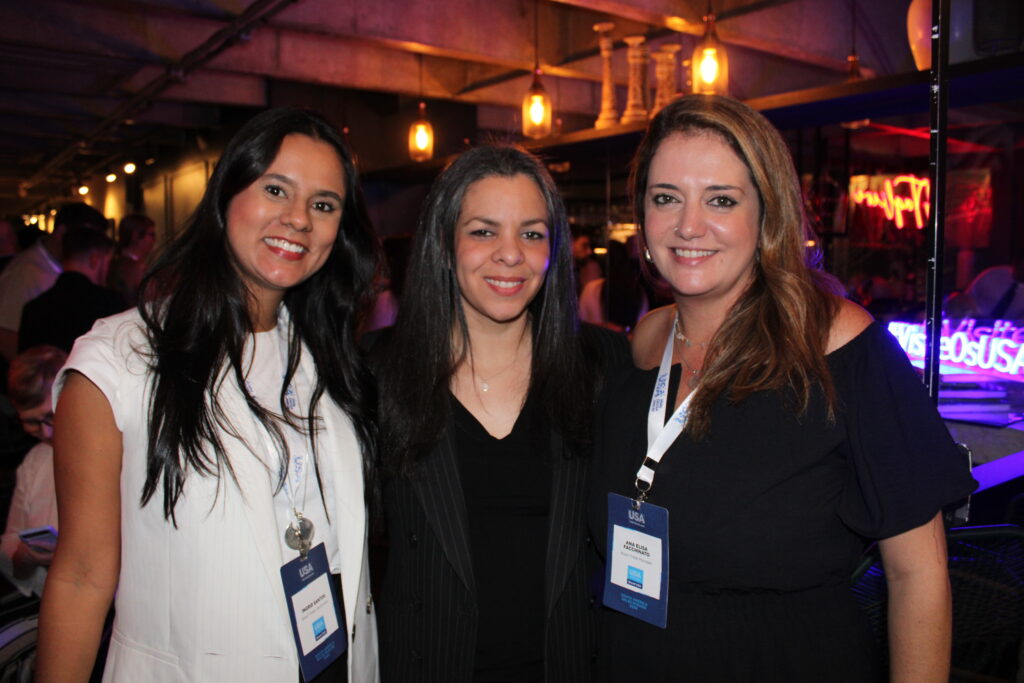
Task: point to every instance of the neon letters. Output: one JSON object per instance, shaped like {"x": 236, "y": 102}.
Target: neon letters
{"x": 894, "y": 206}
{"x": 996, "y": 349}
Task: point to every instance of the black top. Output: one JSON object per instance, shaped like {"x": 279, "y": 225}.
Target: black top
{"x": 507, "y": 485}
{"x": 66, "y": 311}
{"x": 768, "y": 517}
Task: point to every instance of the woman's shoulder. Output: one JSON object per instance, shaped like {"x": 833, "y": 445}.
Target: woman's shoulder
{"x": 649, "y": 336}
{"x": 848, "y": 324}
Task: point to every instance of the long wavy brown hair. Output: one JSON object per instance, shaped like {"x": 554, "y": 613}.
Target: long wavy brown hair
{"x": 776, "y": 334}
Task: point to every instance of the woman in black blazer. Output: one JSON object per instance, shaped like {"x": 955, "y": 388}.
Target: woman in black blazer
{"x": 487, "y": 386}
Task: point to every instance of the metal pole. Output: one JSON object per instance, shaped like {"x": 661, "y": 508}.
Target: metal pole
{"x": 939, "y": 95}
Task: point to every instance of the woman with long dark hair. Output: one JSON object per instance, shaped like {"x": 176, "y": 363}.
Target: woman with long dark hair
{"x": 211, "y": 446}
{"x": 776, "y": 430}
{"x": 487, "y": 387}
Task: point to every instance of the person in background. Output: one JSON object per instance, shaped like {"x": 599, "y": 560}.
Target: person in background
{"x": 35, "y": 269}
{"x": 66, "y": 311}
{"x": 34, "y": 503}
{"x": 774, "y": 426}
{"x": 210, "y": 446}
{"x": 617, "y": 300}
{"x": 997, "y": 293}
{"x": 9, "y": 226}
{"x": 396, "y": 260}
{"x": 136, "y": 235}
{"x": 585, "y": 265}
{"x": 487, "y": 384}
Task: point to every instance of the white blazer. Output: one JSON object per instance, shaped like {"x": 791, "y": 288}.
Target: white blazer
{"x": 203, "y": 600}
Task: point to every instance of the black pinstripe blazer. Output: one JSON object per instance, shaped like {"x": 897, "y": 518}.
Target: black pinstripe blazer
{"x": 427, "y": 612}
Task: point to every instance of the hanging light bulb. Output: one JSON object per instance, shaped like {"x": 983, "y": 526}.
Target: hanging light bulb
{"x": 536, "y": 110}
{"x": 83, "y": 190}
{"x": 129, "y": 168}
{"x": 421, "y": 137}
{"x": 710, "y": 63}
{"x": 111, "y": 177}
{"x": 536, "y": 103}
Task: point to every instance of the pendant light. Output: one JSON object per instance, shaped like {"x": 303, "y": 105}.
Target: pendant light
{"x": 854, "y": 74}
{"x": 536, "y": 103}
{"x": 421, "y": 133}
{"x": 710, "y": 63}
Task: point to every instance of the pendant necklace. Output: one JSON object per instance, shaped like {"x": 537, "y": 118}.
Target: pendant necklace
{"x": 485, "y": 384}
{"x": 685, "y": 343}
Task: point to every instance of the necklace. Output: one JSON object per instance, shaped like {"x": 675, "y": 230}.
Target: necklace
{"x": 485, "y": 382}
{"x": 685, "y": 343}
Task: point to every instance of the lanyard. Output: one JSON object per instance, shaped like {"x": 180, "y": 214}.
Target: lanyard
{"x": 660, "y": 435}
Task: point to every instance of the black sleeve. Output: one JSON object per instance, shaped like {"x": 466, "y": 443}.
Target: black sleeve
{"x": 904, "y": 464}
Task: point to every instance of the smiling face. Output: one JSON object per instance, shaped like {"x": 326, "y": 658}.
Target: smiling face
{"x": 282, "y": 227}
{"x": 502, "y": 248}
{"x": 702, "y": 213}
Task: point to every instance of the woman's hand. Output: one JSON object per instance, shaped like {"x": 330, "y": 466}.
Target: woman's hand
{"x": 920, "y": 604}
{"x": 82, "y": 578}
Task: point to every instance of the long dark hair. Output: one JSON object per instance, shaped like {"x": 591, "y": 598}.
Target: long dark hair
{"x": 776, "y": 334}
{"x": 421, "y": 356}
{"x": 198, "y": 328}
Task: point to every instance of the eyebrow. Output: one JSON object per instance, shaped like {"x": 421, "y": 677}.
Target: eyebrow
{"x": 713, "y": 188}
{"x": 291, "y": 183}
{"x": 490, "y": 222}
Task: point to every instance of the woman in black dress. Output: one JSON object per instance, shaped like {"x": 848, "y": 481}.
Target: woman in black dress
{"x": 804, "y": 432}
{"x": 487, "y": 387}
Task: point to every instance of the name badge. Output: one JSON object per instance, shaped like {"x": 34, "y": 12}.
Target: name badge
{"x": 313, "y": 605}
{"x": 636, "y": 573}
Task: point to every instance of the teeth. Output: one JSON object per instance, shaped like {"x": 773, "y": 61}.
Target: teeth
{"x": 285, "y": 244}
{"x": 692, "y": 253}
{"x": 503, "y": 283}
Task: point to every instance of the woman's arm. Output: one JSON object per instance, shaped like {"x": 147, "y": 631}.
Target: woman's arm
{"x": 920, "y": 604}
{"x": 83, "y": 576}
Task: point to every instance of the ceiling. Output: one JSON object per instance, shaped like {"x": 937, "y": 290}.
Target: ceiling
{"x": 86, "y": 85}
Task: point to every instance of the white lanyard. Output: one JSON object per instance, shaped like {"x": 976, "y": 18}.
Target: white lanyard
{"x": 661, "y": 435}
{"x": 298, "y": 471}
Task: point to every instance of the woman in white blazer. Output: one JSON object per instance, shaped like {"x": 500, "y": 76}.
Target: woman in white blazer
{"x": 210, "y": 446}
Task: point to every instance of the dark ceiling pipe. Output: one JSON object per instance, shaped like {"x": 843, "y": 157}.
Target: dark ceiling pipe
{"x": 236, "y": 31}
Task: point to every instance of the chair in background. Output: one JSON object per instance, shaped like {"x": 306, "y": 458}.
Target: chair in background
{"x": 986, "y": 572}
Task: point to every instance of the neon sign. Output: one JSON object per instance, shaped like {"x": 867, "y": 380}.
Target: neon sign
{"x": 996, "y": 349}
{"x": 917, "y": 203}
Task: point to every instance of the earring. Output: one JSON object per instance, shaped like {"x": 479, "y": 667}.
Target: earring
{"x": 647, "y": 255}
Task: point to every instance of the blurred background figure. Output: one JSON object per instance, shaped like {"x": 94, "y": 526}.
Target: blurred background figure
{"x": 34, "y": 503}
{"x": 35, "y": 270}
{"x": 996, "y": 292}
{"x": 66, "y": 311}
{"x": 8, "y": 239}
{"x": 396, "y": 258}
{"x": 617, "y": 300}
{"x": 136, "y": 236}
{"x": 586, "y": 266}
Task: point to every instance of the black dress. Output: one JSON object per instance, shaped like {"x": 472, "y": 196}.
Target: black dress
{"x": 768, "y": 517}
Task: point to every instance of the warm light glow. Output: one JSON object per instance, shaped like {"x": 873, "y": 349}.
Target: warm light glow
{"x": 600, "y": 251}
{"x": 536, "y": 110}
{"x": 917, "y": 203}
{"x": 111, "y": 177}
{"x": 810, "y": 243}
{"x": 708, "y": 68}
{"x": 421, "y": 137}
{"x": 33, "y": 220}
{"x": 83, "y": 190}
{"x": 129, "y": 168}
{"x": 710, "y": 63}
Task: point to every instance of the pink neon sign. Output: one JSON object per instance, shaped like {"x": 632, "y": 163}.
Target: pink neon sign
{"x": 917, "y": 203}
{"x": 996, "y": 349}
